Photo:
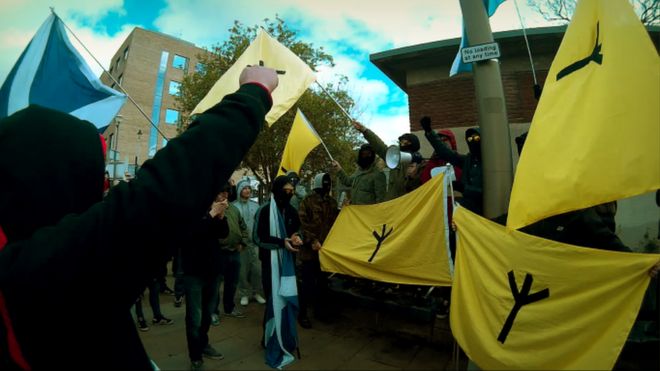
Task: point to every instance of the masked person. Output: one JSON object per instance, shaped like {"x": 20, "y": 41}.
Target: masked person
{"x": 60, "y": 242}
{"x": 367, "y": 183}
{"x": 404, "y": 178}
{"x": 298, "y": 189}
{"x": 471, "y": 184}
{"x": 271, "y": 220}
{"x": 317, "y": 212}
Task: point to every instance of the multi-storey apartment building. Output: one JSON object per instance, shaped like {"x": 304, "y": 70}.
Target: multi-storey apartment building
{"x": 150, "y": 67}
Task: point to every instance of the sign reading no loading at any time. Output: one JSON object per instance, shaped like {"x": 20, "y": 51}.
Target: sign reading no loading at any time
{"x": 480, "y": 52}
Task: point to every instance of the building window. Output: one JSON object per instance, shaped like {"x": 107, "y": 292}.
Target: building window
{"x": 180, "y": 62}
{"x": 175, "y": 88}
{"x": 171, "y": 116}
{"x": 118, "y": 62}
{"x": 120, "y": 79}
{"x": 126, "y": 53}
{"x": 110, "y": 70}
{"x": 200, "y": 68}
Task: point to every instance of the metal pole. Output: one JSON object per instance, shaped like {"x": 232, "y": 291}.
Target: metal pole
{"x": 114, "y": 166}
{"x": 496, "y": 140}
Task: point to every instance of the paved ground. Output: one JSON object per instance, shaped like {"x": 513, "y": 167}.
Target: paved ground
{"x": 366, "y": 336}
{"x": 359, "y": 339}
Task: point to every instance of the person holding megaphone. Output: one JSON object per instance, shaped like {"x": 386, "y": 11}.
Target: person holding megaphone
{"x": 403, "y": 160}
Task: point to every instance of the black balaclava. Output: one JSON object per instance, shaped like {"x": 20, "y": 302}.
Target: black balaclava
{"x": 475, "y": 147}
{"x": 366, "y": 156}
{"x": 51, "y": 164}
{"x": 322, "y": 184}
{"x": 281, "y": 198}
{"x": 414, "y": 143}
{"x": 293, "y": 178}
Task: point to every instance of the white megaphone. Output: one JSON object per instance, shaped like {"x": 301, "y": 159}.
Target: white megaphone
{"x": 394, "y": 157}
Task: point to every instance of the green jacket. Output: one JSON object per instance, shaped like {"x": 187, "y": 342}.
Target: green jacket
{"x": 367, "y": 186}
{"x": 238, "y": 233}
{"x": 398, "y": 184}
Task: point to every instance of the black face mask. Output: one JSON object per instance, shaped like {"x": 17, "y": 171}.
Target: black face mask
{"x": 475, "y": 148}
{"x": 407, "y": 148}
{"x": 281, "y": 197}
{"x": 365, "y": 162}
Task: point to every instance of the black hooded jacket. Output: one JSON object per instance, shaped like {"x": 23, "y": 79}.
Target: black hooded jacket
{"x": 67, "y": 247}
{"x": 471, "y": 184}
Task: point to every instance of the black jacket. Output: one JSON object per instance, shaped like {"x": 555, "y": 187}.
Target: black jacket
{"x": 70, "y": 280}
{"x": 261, "y": 231}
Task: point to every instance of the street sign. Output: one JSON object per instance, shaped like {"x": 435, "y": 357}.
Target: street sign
{"x": 480, "y": 52}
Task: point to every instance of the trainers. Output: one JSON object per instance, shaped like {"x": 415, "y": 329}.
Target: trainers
{"x": 178, "y": 301}
{"x": 167, "y": 291}
{"x": 210, "y": 352}
{"x": 162, "y": 321}
{"x": 215, "y": 320}
{"x": 196, "y": 365}
{"x": 235, "y": 313}
{"x": 244, "y": 300}
{"x": 260, "y": 299}
{"x": 142, "y": 324}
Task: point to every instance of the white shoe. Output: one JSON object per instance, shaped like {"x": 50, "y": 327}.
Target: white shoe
{"x": 260, "y": 299}
{"x": 244, "y": 300}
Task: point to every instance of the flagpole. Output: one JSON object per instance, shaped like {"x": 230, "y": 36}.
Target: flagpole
{"x": 334, "y": 100}
{"x": 113, "y": 79}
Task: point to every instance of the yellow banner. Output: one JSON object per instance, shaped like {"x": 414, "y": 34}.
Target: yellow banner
{"x": 302, "y": 140}
{"x": 294, "y": 79}
{"x": 595, "y": 136}
{"x": 523, "y": 302}
{"x": 403, "y": 240}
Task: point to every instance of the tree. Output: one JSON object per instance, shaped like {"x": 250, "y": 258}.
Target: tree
{"x": 562, "y": 10}
{"x": 264, "y": 157}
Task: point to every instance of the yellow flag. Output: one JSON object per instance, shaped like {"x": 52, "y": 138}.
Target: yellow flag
{"x": 575, "y": 305}
{"x": 595, "y": 136}
{"x": 295, "y": 79}
{"x": 403, "y": 240}
{"x": 302, "y": 140}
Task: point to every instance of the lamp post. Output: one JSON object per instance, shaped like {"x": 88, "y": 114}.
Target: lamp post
{"x": 137, "y": 149}
{"x": 118, "y": 119}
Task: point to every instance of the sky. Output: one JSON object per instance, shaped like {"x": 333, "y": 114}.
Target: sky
{"x": 349, "y": 30}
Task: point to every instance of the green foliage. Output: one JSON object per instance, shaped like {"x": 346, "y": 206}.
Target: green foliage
{"x": 264, "y": 157}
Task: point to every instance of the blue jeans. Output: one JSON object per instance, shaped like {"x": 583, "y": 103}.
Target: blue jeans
{"x": 231, "y": 269}
{"x": 200, "y": 293}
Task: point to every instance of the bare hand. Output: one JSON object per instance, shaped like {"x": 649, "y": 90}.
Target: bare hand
{"x": 296, "y": 240}
{"x": 316, "y": 245}
{"x": 336, "y": 166}
{"x": 261, "y": 75}
{"x": 359, "y": 127}
{"x": 453, "y": 226}
{"x": 287, "y": 245}
{"x": 218, "y": 208}
{"x": 346, "y": 202}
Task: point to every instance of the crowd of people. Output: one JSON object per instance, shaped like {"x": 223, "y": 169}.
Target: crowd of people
{"x": 59, "y": 223}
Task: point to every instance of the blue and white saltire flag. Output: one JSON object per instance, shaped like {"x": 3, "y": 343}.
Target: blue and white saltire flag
{"x": 458, "y": 66}
{"x": 51, "y": 73}
{"x": 281, "y": 338}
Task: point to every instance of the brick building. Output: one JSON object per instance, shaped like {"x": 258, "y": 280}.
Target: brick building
{"x": 150, "y": 66}
{"x": 422, "y": 71}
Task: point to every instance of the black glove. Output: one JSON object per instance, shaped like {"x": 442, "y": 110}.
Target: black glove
{"x": 426, "y": 123}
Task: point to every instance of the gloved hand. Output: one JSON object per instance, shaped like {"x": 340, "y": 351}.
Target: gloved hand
{"x": 426, "y": 123}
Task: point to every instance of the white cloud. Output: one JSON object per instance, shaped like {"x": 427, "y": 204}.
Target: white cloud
{"x": 17, "y": 30}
